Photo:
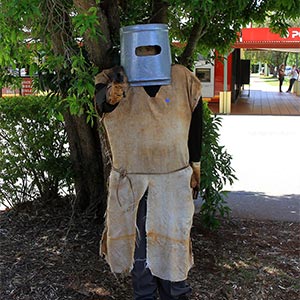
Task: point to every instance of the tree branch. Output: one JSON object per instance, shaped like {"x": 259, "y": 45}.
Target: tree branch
{"x": 197, "y": 32}
{"x": 160, "y": 11}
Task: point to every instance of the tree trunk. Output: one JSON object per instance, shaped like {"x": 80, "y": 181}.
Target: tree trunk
{"x": 159, "y": 11}
{"x": 87, "y": 164}
{"x": 84, "y": 140}
{"x": 89, "y": 148}
{"x": 101, "y": 51}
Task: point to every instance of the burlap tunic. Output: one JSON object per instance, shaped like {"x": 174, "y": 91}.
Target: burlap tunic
{"x": 148, "y": 138}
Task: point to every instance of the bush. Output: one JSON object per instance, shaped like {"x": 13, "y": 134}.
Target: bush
{"x": 216, "y": 171}
{"x": 34, "y": 154}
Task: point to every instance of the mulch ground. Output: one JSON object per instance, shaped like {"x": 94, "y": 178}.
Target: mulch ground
{"x": 49, "y": 253}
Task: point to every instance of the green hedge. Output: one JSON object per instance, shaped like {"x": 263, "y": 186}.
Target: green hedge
{"x": 34, "y": 154}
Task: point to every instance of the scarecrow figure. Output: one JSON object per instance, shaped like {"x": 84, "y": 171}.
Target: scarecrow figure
{"x": 152, "y": 112}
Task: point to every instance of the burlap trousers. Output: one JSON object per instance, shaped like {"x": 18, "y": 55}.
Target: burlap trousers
{"x": 169, "y": 218}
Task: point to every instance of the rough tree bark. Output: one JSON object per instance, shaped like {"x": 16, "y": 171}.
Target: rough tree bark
{"x": 91, "y": 189}
{"x": 159, "y": 11}
{"x": 84, "y": 141}
{"x": 99, "y": 50}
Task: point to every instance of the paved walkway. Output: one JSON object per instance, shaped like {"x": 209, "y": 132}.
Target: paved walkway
{"x": 265, "y": 147}
{"x": 266, "y": 157}
{"x": 264, "y": 99}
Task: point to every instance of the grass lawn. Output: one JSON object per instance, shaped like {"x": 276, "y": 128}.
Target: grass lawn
{"x": 273, "y": 81}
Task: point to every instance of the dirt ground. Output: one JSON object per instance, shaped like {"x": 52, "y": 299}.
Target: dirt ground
{"x": 48, "y": 253}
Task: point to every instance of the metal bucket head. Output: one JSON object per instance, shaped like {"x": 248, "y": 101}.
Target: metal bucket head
{"x": 143, "y": 70}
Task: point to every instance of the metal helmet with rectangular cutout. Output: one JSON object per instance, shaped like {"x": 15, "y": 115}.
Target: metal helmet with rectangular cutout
{"x": 146, "y": 69}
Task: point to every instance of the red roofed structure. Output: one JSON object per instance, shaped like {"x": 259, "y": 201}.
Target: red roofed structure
{"x": 232, "y": 73}
{"x": 263, "y": 38}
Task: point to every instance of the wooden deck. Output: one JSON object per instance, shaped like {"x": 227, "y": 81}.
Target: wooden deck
{"x": 263, "y": 99}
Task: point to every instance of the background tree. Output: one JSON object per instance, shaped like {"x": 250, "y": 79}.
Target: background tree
{"x": 67, "y": 42}
{"x": 271, "y": 58}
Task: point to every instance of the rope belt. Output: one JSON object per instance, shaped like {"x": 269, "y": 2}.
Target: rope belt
{"x": 124, "y": 174}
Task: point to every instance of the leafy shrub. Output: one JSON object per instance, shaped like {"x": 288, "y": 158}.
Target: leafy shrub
{"x": 216, "y": 171}
{"x": 34, "y": 154}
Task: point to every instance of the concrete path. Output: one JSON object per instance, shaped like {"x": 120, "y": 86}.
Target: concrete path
{"x": 266, "y": 157}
